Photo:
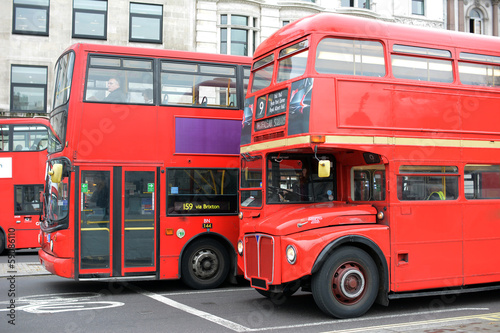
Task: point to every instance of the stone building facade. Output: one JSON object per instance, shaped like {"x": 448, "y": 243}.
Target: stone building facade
{"x": 35, "y": 32}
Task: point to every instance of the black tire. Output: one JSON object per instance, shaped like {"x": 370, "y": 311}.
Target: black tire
{"x": 347, "y": 284}
{"x": 205, "y": 264}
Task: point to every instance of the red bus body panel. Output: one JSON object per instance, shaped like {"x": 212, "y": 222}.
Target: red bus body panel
{"x": 425, "y": 244}
{"x": 27, "y": 168}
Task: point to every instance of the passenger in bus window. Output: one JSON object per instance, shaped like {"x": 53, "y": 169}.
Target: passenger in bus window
{"x": 148, "y": 96}
{"x": 436, "y": 192}
{"x": 116, "y": 93}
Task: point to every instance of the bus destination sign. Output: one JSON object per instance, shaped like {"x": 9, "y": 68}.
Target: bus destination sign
{"x": 270, "y": 123}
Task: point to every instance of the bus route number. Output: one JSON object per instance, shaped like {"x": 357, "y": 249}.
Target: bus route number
{"x": 187, "y": 206}
{"x": 207, "y": 224}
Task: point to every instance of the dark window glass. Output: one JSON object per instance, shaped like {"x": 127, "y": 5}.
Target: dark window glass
{"x": 294, "y": 178}
{"x": 417, "y": 7}
{"x": 356, "y": 3}
{"x": 120, "y": 80}
{"x": 146, "y": 23}
{"x": 4, "y": 137}
{"x": 27, "y": 199}
{"x": 28, "y": 89}
{"x": 482, "y": 181}
{"x": 368, "y": 183}
{"x": 31, "y": 17}
{"x": 90, "y": 19}
{"x": 202, "y": 191}
{"x": 192, "y": 84}
{"x": 420, "y": 182}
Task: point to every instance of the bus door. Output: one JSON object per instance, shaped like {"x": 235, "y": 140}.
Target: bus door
{"x": 117, "y": 234}
{"x": 95, "y": 223}
{"x": 139, "y": 220}
{"x": 427, "y": 228}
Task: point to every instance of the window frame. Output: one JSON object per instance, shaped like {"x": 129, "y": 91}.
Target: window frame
{"x": 45, "y": 8}
{"x": 23, "y": 188}
{"x": 148, "y": 16}
{"x": 120, "y": 70}
{"x": 356, "y": 4}
{"x": 227, "y": 25}
{"x": 90, "y": 11}
{"x": 14, "y": 85}
{"x": 416, "y": 6}
{"x": 233, "y": 197}
{"x": 428, "y": 174}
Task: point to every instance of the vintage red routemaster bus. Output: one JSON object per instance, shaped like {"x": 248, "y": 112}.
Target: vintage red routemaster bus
{"x": 142, "y": 171}
{"x": 370, "y": 163}
{"x": 23, "y": 152}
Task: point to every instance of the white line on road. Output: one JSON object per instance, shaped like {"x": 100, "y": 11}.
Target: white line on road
{"x": 205, "y": 315}
{"x": 240, "y": 328}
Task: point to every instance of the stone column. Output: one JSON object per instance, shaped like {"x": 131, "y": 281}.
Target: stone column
{"x": 495, "y": 17}
{"x": 451, "y": 15}
{"x": 461, "y": 16}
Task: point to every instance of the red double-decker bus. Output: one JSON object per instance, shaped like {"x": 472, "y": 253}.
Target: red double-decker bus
{"x": 142, "y": 172}
{"x": 370, "y": 163}
{"x": 23, "y": 150}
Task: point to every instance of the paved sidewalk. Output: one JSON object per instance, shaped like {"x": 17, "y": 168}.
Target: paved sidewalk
{"x": 22, "y": 269}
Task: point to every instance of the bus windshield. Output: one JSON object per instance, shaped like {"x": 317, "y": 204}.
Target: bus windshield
{"x": 62, "y": 90}
{"x": 294, "y": 178}
{"x": 56, "y": 198}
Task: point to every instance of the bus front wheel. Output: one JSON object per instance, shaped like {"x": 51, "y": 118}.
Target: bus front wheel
{"x": 205, "y": 264}
{"x": 347, "y": 284}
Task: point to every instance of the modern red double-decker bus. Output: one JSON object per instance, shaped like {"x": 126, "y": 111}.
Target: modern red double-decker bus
{"x": 142, "y": 171}
{"x": 23, "y": 150}
{"x": 370, "y": 163}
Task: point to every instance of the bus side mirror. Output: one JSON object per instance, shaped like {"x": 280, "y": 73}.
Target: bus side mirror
{"x": 324, "y": 169}
{"x": 56, "y": 173}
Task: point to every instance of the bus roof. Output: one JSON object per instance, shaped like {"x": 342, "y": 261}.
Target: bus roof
{"x": 151, "y": 52}
{"x": 24, "y": 120}
{"x": 351, "y": 26}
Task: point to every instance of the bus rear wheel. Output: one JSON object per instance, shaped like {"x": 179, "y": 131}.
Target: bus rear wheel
{"x": 205, "y": 264}
{"x": 347, "y": 284}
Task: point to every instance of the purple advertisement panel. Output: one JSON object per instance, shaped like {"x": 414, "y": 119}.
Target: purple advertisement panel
{"x": 207, "y": 136}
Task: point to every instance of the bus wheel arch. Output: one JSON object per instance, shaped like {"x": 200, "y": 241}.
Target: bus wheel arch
{"x": 371, "y": 249}
{"x": 206, "y": 262}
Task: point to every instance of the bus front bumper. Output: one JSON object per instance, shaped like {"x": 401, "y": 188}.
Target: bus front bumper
{"x": 59, "y": 266}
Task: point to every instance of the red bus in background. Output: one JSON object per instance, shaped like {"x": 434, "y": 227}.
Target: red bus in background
{"x": 370, "y": 163}
{"x": 142, "y": 172}
{"x": 23, "y": 152}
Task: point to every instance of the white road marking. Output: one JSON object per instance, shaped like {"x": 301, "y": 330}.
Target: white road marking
{"x": 240, "y": 328}
{"x": 205, "y": 315}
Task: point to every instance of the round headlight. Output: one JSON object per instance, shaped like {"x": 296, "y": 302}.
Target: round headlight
{"x": 380, "y": 215}
{"x": 240, "y": 215}
{"x": 291, "y": 254}
{"x": 240, "y": 247}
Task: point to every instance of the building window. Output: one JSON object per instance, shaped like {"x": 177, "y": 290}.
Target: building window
{"x": 417, "y": 7}
{"x": 90, "y": 19}
{"x": 356, "y": 3}
{"x": 28, "y": 89}
{"x": 475, "y": 21}
{"x": 31, "y": 17}
{"x": 235, "y": 34}
{"x": 146, "y": 23}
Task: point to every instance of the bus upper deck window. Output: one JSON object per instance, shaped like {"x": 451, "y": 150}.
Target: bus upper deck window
{"x": 293, "y": 66}
{"x": 350, "y": 57}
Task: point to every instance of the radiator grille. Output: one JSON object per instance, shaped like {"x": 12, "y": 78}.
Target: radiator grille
{"x": 259, "y": 257}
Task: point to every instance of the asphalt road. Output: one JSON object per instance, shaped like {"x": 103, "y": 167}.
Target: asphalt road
{"x": 54, "y": 304}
